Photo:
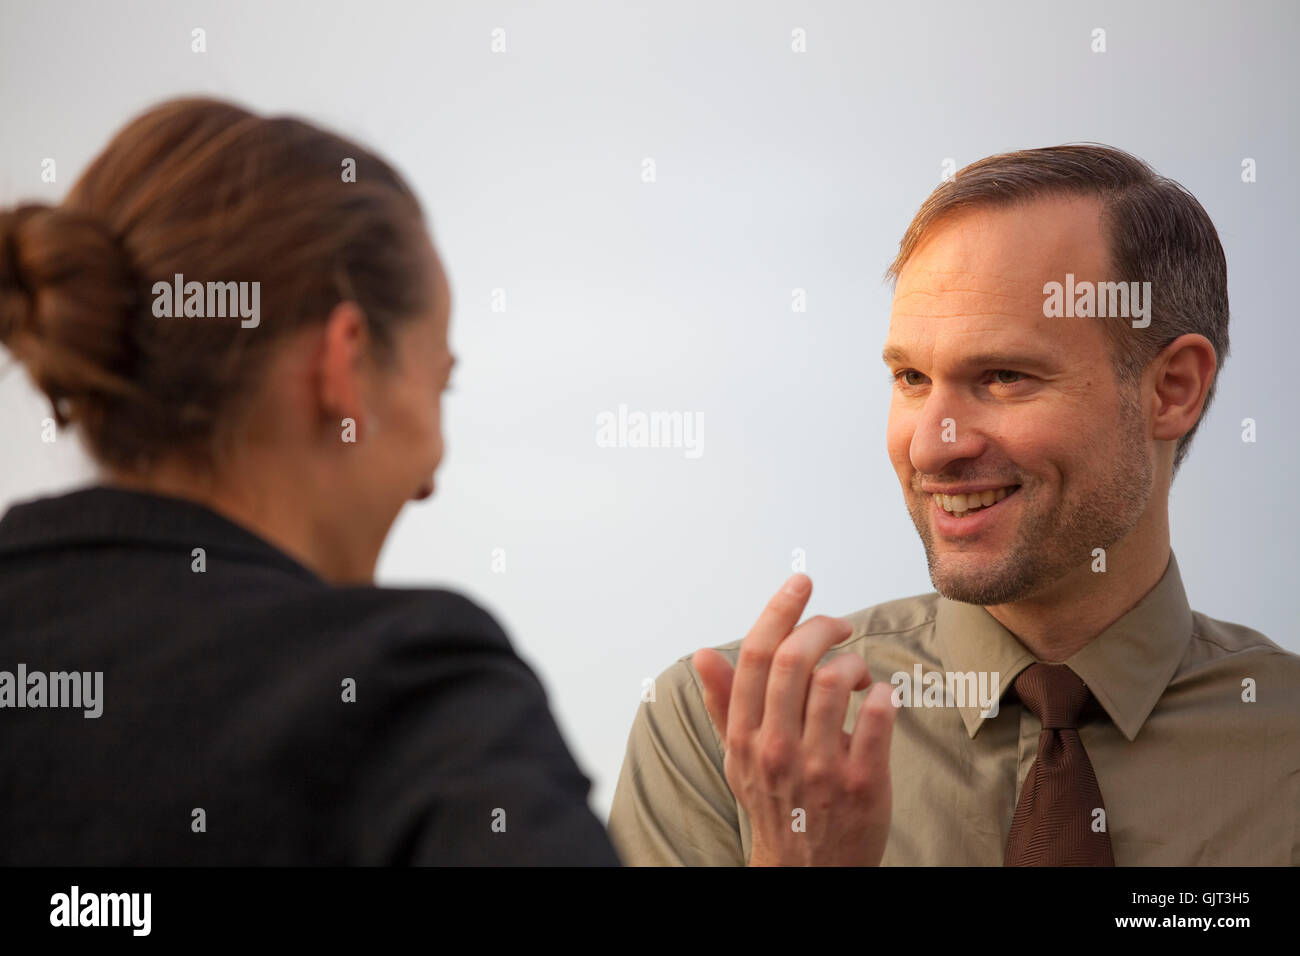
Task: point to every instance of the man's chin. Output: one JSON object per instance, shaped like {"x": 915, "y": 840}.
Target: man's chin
{"x": 974, "y": 579}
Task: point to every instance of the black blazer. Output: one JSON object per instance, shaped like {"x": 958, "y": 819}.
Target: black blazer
{"x": 225, "y": 736}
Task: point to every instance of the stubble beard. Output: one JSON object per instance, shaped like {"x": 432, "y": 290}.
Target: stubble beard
{"x": 1052, "y": 539}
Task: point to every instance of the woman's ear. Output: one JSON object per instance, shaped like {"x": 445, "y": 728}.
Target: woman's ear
{"x": 340, "y": 365}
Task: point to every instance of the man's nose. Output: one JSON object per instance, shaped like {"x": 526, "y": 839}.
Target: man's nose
{"x": 947, "y": 430}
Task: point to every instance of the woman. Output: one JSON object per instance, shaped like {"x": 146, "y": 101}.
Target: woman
{"x": 246, "y": 320}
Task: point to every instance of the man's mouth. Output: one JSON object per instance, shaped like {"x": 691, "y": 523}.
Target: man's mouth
{"x": 960, "y": 505}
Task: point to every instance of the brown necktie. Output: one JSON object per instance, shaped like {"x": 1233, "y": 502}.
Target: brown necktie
{"x": 1053, "y": 825}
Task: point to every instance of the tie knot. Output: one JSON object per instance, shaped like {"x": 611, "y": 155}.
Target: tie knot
{"x": 1054, "y": 693}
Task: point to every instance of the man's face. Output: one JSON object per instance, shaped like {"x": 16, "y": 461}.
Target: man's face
{"x": 994, "y": 401}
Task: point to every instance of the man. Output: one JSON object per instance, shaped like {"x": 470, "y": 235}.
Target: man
{"x": 1058, "y": 322}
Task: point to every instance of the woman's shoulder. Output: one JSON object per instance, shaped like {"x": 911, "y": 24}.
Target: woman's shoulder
{"x": 401, "y": 615}
{"x": 403, "y": 635}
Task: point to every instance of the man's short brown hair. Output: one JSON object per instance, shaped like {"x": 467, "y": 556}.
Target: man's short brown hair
{"x": 1156, "y": 230}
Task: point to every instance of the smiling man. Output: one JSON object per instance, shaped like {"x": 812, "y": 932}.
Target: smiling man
{"x": 1035, "y": 447}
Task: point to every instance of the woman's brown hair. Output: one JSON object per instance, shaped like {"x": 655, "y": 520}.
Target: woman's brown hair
{"x": 215, "y": 193}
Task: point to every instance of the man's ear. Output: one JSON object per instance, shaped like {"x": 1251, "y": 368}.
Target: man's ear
{"x": 340, "y": 363}
{"x": 1182, "y": 375}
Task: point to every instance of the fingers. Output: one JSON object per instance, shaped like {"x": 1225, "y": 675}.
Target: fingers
{"x": 716, "y": 675}
{"x": 774, "y": 624}
{"x": 792, "y": 669}
{"x": 869, "y": 746}
{"x": 828, "y": 703}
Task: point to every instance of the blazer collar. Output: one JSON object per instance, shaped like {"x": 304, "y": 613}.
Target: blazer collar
{"x": 102, "y": 515}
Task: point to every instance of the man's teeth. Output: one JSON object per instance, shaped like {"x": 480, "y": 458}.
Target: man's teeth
{"x": 965, "y": 504}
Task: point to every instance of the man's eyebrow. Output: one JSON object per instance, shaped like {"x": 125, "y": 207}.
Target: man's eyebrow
{"x": 1012, "y": 360}
{"x": 894, "y": 355}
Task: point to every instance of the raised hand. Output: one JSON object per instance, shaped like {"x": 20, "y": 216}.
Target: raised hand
{"x": 781, "y": 719}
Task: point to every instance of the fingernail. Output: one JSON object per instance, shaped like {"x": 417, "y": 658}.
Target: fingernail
{"x": 798, "y": 584}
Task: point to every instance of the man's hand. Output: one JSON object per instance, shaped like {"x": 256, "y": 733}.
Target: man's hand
{"x": 781, "y": 719}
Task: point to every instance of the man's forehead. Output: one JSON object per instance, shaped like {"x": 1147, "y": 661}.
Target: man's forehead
{"x": 965, "y": 293}
{"x": 998, "y": 258}
{"x": 977, "y": 279}
{"x": 966, "y": 330}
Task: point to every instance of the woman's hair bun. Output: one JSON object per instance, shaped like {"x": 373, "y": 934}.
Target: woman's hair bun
{"x": 67, "y": 293}
{"x": 198, "y": 197}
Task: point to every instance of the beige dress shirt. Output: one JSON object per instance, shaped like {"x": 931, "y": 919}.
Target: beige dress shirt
{"x": 1194, "y": 738}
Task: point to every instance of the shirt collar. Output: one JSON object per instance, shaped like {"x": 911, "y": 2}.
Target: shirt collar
{"x": 108, "y": 515}
{"x": 1127, "y": 666}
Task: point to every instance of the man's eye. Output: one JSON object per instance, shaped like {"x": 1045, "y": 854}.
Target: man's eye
{"x": 1007, "y": 377}
{"x": 906, "y": 377}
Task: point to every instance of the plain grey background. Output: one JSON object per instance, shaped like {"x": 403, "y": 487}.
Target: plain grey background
{"x": 775, "y": 170}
